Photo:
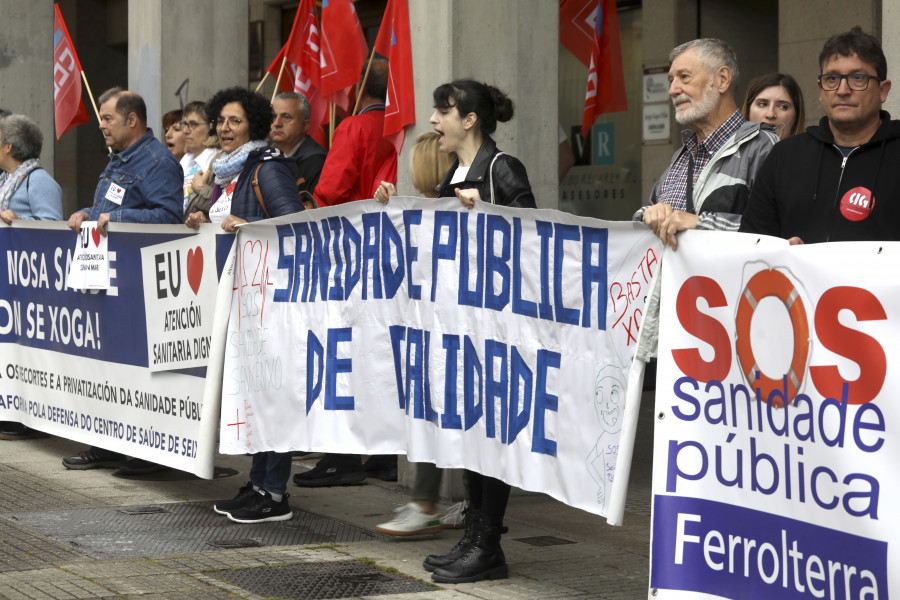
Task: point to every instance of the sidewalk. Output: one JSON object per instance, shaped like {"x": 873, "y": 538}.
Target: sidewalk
{"x": 65, "y": 535}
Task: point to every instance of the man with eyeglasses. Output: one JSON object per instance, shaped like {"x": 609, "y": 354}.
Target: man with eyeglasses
{"x": 288, "y": 134}
{"x": 839, "y": 181}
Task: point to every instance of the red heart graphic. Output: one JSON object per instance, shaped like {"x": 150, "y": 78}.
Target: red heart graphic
{"x": 195, "y": 268}
{"x": 95, "y": 233}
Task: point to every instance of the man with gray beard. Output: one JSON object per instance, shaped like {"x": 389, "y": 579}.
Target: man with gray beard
{"x": 708, "y": 182}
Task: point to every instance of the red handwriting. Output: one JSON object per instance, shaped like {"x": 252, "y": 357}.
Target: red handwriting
{"x": 628, "y": 297}
{"x": 252, "y": 289}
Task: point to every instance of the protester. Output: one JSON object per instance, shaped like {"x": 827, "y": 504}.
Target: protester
{"x": 359, "y": 160}
{"x": 173, "y": 135}
{"x": 29, "y": 192}
{"x": 252, "y": 181}
{"x": 289, "y": 134}
{"x": 140, "y": 184}
{"x": 466, "y": 114}
{"x": 707, "y": 184}
{"x": 838, "y": 181}
{"x": 26, "y": 192}
{"x": 419, "y": 516}
{"x": 775, "y": 99}
{"x": 200, "y": 147}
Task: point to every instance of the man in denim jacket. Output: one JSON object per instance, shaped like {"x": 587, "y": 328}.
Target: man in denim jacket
{"x": 142, "y": 182}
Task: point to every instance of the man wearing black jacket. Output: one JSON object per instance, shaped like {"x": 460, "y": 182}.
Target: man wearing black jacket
{"x": 839, "y": 181}
{"x": 289, "y": 134}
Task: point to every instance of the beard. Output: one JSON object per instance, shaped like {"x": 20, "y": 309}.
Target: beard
{"x": 696, "y": 110}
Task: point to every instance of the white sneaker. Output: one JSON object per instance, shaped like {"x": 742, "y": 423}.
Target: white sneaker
{"x": 454, "y": 517}
{"x": 410, "y": 519}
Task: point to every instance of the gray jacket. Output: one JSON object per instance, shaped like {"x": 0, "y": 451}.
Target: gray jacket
{"x": 720, "y": 195}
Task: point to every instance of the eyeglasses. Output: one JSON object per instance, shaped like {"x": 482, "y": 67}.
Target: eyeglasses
{"x": 856, "y": 81}
{"x": 191, "y": 124}
{"x": 233, "y": 122}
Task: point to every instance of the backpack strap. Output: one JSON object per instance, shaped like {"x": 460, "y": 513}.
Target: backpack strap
{"x": 255, "y": 183}
{"x": 491, "y": 175}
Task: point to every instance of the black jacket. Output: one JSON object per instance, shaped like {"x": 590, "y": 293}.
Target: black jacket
{"x": 805, "y": 188}
{"x": 310, "y": 156}
{"x": 276, "y": 178}
{"x": 510, "y": 179}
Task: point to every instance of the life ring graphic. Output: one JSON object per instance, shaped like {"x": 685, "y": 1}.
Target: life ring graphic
{"x": 770, "y": 282}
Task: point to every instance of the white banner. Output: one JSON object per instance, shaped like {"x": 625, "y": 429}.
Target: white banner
{"x": 774, "y": 463}
{"x": 496, "y": 339}
{"x": 80, "y": 364}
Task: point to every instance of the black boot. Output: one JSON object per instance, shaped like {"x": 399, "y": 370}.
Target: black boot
{"x": 434, "y": 561}
{"x": 483, "y": 559}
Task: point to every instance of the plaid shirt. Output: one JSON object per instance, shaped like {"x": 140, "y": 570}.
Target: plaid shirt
{"x": 674, "y": 187}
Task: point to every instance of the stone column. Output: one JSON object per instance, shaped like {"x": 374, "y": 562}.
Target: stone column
{"x": 510, "y": 44}
{"x": 26, "y": 66}
{"x": 199, "y": 43}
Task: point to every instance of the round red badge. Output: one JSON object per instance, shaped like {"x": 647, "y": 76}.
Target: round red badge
{"x": 857, "y": 204}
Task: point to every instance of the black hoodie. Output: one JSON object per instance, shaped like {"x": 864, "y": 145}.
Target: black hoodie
{"x": 806, "y": 188}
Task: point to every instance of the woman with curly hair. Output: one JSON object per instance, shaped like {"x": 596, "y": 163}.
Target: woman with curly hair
{"x": 252, "y": 180}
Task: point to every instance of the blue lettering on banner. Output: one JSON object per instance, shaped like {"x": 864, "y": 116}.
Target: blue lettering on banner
{"x": 716, "y": 548}
{"x": 502, "y": 380}
{"x": 328, "y": 258}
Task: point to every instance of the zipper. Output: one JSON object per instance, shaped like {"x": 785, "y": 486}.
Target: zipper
{"x": 837, "y": 193}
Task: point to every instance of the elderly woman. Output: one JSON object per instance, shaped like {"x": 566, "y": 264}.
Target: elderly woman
{"x": 28, "y": 192}
{"x": 252, "y": 181}
{"x": 199, "y": 146}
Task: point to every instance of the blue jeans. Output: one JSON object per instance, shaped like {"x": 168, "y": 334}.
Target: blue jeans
{"x": 270, "y": 471}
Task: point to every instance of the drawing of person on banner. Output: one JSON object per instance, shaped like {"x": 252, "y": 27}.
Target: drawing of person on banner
{"x": 609, "y": 397}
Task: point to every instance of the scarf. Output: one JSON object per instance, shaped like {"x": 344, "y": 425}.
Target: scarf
{"x": 229, "y": 166}
{"x": 15, "y": 179}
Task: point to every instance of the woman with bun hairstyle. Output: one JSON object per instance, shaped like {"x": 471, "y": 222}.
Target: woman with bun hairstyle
{"x": 465, "y": 115}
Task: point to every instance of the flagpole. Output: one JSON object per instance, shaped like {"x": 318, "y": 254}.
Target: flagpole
{"x": 262, "y": 81}
{"x": 280, "y": 72}
{"x": 330, "y": 123}
{"x": 362, "y": 85}
{"x": 90, "y": 95}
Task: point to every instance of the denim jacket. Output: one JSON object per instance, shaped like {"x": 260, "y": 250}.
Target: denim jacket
{"x": 141, "y": 184}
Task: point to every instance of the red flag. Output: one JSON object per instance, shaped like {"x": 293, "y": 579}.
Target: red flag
{"x": 68, "y": 106}
{"x": 606, "y": 79}
{"x": 393, "y": 42}
{"x": 301, "y": 71}
{"x": 576, "y": 27}
{"x": 344, "y": 50}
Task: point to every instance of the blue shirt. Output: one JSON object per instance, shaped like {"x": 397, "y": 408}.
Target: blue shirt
{"x": 141, "y": 184}
{"x": 38, "y": 198}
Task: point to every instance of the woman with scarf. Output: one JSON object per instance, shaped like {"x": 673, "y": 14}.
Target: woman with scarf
{"x": 28, "y": 191}
{"x": 252, "y": 182}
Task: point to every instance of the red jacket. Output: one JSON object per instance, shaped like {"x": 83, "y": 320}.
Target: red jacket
{"x": 358, "y": 161}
